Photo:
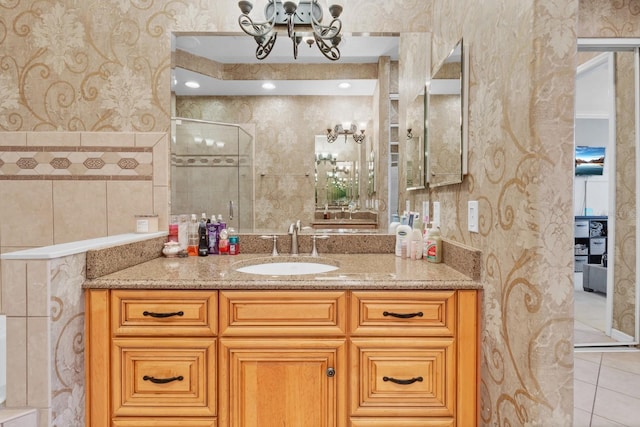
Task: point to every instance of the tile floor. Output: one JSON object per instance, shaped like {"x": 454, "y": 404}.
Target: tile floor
{"x": 606, "y": 389}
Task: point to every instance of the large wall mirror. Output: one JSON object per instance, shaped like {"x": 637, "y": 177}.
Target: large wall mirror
{"x": 282, "y": 121}
{"x": 337, "y": 173}
{"x": 446, "y": 118}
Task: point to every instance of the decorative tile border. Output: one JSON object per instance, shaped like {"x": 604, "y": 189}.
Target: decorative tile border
{"x": 76, "y": 163}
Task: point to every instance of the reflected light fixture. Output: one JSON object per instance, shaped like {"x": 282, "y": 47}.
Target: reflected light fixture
{"x": 345, "y": 129}
{"x": 326, "y": 157}
{"x": 303, "y": 13}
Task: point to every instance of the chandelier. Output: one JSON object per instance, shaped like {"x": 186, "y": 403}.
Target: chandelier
{"x": 346, "y": 129}
{"x": 305, "y": 13}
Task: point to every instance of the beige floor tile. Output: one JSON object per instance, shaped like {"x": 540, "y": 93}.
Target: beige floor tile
{"x": 591, "y": 356}
{"x": 586, "y": 371}
{"x": 79, "y": 210}
{"x": 624, "y": 361}
{"x": 617, "y": 407}
{"x": 581, "y": 418}
{"x": 583, "y": 395}
{"x": 621, "y": 381}
{"x": 597, "y": 421}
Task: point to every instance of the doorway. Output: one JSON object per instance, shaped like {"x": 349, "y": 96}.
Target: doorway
{"x": 606, "y": 244}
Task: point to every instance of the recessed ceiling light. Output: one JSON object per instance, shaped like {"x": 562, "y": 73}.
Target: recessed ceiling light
{"x": 344, "y": 85}
{"x": 192, "y": 84}
{"x": 268, "y": 86}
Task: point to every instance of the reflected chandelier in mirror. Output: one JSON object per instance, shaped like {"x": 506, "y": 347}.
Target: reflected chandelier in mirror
{"x": 346, "y": 129}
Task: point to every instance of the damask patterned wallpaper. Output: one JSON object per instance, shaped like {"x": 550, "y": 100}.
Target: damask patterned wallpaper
{"x": 73, "y": 65}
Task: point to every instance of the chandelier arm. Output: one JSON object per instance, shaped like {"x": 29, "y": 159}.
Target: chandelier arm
{"x": 259, "y": 28}
{"x": 264, "y": 49}
{"x": 330, "y": 52}
{"x": 326, "y": 32}
{"x": 255, "y": 29}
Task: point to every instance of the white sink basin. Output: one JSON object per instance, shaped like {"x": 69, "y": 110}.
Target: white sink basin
{"x": 287, "y": 268}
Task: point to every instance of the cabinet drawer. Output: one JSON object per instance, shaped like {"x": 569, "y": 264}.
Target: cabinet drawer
{"x": 402, "y": 377}
{"x": 164, "y": 377}
{"x": 282, "y": 313}
{"x": 581, "y": 228}
{"x": 597, "y": 245}
{"x": 164, "y": 313}
{"x": 163, "y": 422}
{"x": 402, "y": 422}
{"x": 423, "y": 313}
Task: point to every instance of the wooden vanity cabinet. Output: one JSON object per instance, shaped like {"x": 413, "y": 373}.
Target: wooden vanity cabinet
{"x": 272, "y": 358}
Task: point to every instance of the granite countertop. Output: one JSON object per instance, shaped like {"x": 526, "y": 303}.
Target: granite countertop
{"x": 356, "y": 271}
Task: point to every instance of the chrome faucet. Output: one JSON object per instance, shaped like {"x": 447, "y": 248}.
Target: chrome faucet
{"x": 294, "y": 229}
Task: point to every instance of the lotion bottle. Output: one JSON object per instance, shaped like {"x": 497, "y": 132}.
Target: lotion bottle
{"x": 403, "y": 233}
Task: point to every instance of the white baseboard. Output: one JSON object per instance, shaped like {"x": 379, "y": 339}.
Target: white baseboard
{"x": 621, "y": 337}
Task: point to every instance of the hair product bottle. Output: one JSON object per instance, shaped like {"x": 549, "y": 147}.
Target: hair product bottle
{"x": 433, "y": 249}
{"x": 203, "y": 237}
{"x": 192, "y": 248}
{"x": 212, "y": 231}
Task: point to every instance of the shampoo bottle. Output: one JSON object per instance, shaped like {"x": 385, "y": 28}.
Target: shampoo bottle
{"x": 203, "y": 238}
{"x": 212, "y": 230}
{"x": 416, "y": 244}
{"x": 192, "y": 247}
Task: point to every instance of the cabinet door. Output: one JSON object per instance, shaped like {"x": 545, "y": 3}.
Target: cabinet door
{"x": 282, "y": 382}
{"x": 164, "y": 422}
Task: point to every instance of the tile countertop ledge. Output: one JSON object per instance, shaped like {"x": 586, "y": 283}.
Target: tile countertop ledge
{"x": 72, "y": 248}
{"x": 356, "y": 271}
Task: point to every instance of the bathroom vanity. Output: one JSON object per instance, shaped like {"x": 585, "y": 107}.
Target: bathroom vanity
{"x": 378, "y": 342}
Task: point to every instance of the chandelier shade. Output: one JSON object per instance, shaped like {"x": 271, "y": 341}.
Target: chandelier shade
{"x": 347, "y": 129}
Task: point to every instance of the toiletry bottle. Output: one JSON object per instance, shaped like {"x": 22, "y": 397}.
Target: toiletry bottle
{"x": 173, "y": 228}
{"x": 223, "y": 242}
{"x": 192, "y": 248}
{"x": 203, "y": 238}
{"x": 234, "y": 242}
{"x": 433, "y": 251}
{"x": 416, "y": 244}
{"x": 183, "y": 232}
{"x": 403, "y": 232}
{"x": 326, "y": 211}
{"x": 212, "y": 229}
{"x": 221, "y": 226}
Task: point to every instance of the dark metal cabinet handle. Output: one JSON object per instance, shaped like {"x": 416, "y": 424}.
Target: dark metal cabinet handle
{"x": 331, "y": 372}
{"x": 403, "y": 316}
{"x": 403, "y": 382}
{"x": 162, "y": 380}
{"x": 152, "y": 314}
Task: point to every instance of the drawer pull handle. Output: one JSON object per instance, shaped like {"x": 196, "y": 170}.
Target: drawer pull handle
{"x": 161, "y": 315}
{"x": 403, "y": 382}
{"x": 403, "y": 316}
{"x": 162, "y": 380}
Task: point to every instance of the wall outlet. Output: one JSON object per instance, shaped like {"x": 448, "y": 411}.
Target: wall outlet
{"x": 472, "y": 216}
{"x": 436, "y": 214}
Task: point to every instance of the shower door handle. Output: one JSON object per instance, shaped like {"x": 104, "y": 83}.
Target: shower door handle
{"x": 230, "y": 210}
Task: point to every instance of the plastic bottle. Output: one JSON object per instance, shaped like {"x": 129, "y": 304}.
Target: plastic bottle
{"x": 183, "y": 232}
{"x": 173, "y": 228}
{"x": 223, "y": 242}
{"x": 212, "y": 230}
{"x": 192, "y": 247}
{"x": 433, "y": 249}
{"x": 416, "y": 244}
{"x": 403, "y": 233}
{"x": 203, "y": 238}
{"x": 234, "y": 242}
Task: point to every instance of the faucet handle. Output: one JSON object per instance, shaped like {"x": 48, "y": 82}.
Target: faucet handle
{"x": 274, "y": 252}
{"x": 314, "y": 251}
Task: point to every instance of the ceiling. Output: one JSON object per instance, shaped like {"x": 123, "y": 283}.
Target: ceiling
{"x": 240, "y": 49}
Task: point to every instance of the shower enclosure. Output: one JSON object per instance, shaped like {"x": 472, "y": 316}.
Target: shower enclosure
{"x": 212, "y": 171}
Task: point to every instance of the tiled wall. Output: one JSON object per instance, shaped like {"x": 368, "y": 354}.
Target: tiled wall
{"x": 46, "y": 308}
{"x": 58, "y": 187}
